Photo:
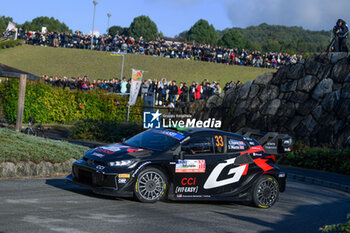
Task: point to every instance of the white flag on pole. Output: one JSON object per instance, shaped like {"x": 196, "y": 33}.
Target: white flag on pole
{"x": 10, "y": 26}
{"x": 136, "y": 81}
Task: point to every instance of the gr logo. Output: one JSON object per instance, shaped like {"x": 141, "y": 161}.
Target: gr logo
{"x": 151, "y": 120}
{"x": 212, "y": 179}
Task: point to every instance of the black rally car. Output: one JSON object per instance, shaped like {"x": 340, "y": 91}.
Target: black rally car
{"x": 188, "y": 164}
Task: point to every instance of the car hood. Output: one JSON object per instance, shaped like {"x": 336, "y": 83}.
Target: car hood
{"x": 116, "y": 152}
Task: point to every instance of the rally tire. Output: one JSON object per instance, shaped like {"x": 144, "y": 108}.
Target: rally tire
{"x": 151, "y": 185}
{"x": 265, "y": 192}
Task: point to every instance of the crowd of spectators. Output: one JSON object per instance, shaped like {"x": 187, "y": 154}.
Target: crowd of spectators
{"x": 166, "y": 93}
{"x": 162, "y": 47}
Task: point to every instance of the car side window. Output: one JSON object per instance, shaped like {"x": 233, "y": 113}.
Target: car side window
{"x": 199, "y": 145}
{"x": 235, "y": 145}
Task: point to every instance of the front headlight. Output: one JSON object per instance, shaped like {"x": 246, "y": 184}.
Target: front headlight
{"x": 122, "y": 163}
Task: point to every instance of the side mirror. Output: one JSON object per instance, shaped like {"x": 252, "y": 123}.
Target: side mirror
{"x": 181, "y": 155}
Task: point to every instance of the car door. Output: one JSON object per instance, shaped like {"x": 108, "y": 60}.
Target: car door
{"x": 228, "y": 170}
{"x": 191, "y": 172}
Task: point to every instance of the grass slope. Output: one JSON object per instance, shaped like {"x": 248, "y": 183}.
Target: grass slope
{"x": 97, "y": 64}
{"x": 20, "y": 147}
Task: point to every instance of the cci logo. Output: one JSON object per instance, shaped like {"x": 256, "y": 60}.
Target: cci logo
{"x": 151, "y": 120}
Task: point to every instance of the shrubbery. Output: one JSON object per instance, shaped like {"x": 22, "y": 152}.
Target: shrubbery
{"x": 324, "y": 159}
{"x": 49, "y": 104}
{"x": 10, "y": 43}
{"x": 337, "y": 228}
{"x": 104, "y": 131}
{"x": 17, "y": 147}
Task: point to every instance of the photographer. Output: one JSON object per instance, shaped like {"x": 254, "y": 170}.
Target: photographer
{"x": 340, "y": 31}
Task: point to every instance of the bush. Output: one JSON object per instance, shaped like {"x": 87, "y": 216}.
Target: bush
{"x": 49, "y": 104}
{"x": 17, "y": 147}
{"x": 324, "y": 159}
{"x": 335, "y": 228}
{"x": 103, "y": 131}
{"x": 10, "y": 43}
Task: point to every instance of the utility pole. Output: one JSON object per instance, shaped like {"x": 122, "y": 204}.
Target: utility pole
{"x": 93, "y": 23}
{"x": 109, "y": 16}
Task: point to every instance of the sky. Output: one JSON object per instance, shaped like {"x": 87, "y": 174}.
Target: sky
{"x": 175, "y": 16}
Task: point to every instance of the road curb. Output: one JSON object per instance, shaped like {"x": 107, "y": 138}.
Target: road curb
{"x": 328, "y": 184}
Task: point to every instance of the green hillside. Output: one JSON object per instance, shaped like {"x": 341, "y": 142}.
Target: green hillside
{"x": 100, "y": 65}
{"x": 292, "y": 39}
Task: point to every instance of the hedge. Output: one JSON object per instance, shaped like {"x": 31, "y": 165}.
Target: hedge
{"x": 49, "y": 104}
{"x": 324, "y": 159}
{"x": 104, "y": 131}
{"x": 17, "y": 147}
{"x": 10, "y": 43}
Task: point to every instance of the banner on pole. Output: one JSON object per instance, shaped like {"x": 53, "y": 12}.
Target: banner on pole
{"x": 136, "y": 81}
{"x": 10, "y": 26}
{"x": 44, "y": 30}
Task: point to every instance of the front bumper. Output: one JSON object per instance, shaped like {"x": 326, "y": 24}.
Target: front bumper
{"x": 100, "y": 182}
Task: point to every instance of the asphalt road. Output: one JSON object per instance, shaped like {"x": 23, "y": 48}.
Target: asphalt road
{"x": 51, "y": 205}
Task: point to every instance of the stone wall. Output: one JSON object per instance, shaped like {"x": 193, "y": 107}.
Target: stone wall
{"x": 309, "y": 100}
{"x": 28, "y": 168}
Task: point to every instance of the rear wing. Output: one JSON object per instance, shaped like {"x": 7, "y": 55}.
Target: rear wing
{"x": 272, "y": 142}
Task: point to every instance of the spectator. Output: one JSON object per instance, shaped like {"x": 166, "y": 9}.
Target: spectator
{"x": 198, "y": 91}
{"x": 340, "y": 31}
{"x": 123, "y": 86}
{"x": 160, "y": 47}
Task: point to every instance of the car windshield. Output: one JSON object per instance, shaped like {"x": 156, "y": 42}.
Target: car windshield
{"x": 154, "y": 139}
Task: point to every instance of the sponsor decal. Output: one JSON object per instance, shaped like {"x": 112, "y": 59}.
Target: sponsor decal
{"x": 98, "y": 154}
{"x": 237, "y": 172}
{"x": 188, "y": 181}
{"x": 234, "y": 147}
{"x": 122, "y": 180}
{"x": 253, "y": 149}
{"x": 124, "y": 176}
{"x": 104, "y": 151}
{"x": 236, "y": 144}
{"x": 186, "y": 189}
{"x": 190, "y": 166}
{"x": 192, "y": 196}
{"x": 138, "y": 169}
{"x": 99, "y": 167}
{"x": 155, "y": 120}
{"x": 115, "y": 148}
{"x": 172, "y": 134}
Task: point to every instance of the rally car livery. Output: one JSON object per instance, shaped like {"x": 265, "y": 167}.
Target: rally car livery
{"x": 188, "y": 164}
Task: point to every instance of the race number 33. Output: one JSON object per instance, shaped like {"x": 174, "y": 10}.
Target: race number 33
{"x": 219, "y": 141}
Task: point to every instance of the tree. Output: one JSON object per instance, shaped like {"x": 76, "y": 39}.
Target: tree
{"x": 51, "y": 24}
{"x": 203, "y": 33}
{"x": 271, "y": 46}
{"x": 4, "y": 21}
{"x": 183, "y": 35}
{"x": 118, "y": 30}
{"x": 232, "y": 39}
{"x": 143, "y": 26}
{"x": 251, "y": 46}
